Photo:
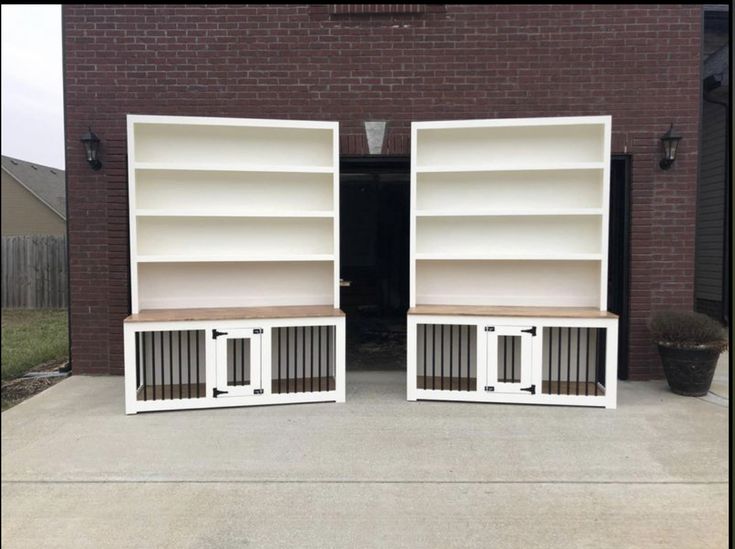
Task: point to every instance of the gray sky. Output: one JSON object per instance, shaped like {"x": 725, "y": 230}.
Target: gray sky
{"x": 32, "y": 87}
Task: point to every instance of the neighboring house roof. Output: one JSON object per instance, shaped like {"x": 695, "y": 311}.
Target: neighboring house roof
{"x": 45, "y": 183}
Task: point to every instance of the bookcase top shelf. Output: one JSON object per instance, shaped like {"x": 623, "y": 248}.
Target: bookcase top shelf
{"x": 541, "y": 256}
{"x": 162, "y": 212}
{"x": 226, "y": 121}
{"x": 507, "y": 213}
{"x": 528, "y": 167}
{"x": 232, "y": 167}
{"x": 513, "y": 122}
{"x": 194, "y": 258}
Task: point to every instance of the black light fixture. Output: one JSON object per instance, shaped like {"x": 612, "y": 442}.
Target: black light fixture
{"x": 91, "y": 146}
{"x": 671, "y": 143}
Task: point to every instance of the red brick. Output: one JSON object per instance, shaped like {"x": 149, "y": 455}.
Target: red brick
{"x": 449, "y": 62}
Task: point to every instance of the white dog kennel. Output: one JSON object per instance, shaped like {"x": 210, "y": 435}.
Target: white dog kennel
{"x": 234, "y": 254}
{"x": 508, "y": 281}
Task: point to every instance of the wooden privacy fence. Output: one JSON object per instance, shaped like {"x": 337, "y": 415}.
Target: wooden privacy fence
{"x": 34, "y": 272}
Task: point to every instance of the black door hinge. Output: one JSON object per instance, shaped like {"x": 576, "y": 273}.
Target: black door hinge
{"x": 531, "y": 331}
{"x": 531, "y": 389}
{"x": 258, "y": 392}
{"x": 216, "y": 392}
{"x": 217, "y": 333}
{"x": 489, "y": 388}
{"x": 489, "y": 328}
{"x": 258, "y": 331}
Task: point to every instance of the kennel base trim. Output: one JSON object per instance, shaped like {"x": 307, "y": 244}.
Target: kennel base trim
{"x": 522, "y": 355}
{"x": 212, "y": 358}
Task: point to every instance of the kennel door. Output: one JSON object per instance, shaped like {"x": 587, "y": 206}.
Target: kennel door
{"x": 238, "y": 362}
{"x": 509, "y": 359}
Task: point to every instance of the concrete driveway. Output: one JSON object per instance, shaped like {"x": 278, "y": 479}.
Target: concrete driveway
{"x": 375, "y": 472}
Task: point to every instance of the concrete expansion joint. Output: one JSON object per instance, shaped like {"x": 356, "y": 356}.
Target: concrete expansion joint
{"x": 715, "y": 400}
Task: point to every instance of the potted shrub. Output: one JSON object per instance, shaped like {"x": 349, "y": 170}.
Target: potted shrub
{"x": 689, "y": 345}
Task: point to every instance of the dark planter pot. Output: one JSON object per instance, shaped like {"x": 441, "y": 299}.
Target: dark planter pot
{"x": 689, "y": 371}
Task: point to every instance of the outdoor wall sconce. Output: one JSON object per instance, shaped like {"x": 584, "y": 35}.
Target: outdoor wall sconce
{"x": 671, "y": 143}
{"x": 91, "y": 146}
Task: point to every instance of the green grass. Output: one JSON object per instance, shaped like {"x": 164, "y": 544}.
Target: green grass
{"x": 32, "y": 337}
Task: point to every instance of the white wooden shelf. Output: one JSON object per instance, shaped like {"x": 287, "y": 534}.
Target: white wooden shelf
{"x": 556, "y": 121}
{"x": 184, "y": 122}
{"x": 503, "y": 145}
{"x": 232, "y": 213}
{"x": 510, "y": 191}
{"x": 527, "y": 167}
{"x": 517, "y": 204}
{"x": 509, "y": 220}
{"x": 264, "y": 168}
{"x": 235, "y": 236}
{"x": 509, "y": 212}
{"x": 507, "y": 257}
{"x": 222, "y": 258}
{"x": 237, "y": 219}
{"x": 194, "y": 284}
{"x": 513, "y": 236}
{"x": 234, "y": 191}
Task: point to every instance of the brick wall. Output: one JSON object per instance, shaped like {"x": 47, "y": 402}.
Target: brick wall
{"x": 638, "y": 63}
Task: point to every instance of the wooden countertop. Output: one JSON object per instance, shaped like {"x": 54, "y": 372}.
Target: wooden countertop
{"x": 233, "y": 313}
{"x": 475, "y": 310}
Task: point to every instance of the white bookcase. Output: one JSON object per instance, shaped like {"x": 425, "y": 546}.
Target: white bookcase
{"x": 511, "y": 214}
{"x": 232, "y": 215}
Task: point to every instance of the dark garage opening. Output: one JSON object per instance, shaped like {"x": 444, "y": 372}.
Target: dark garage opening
{"x": 374, "y": 256}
